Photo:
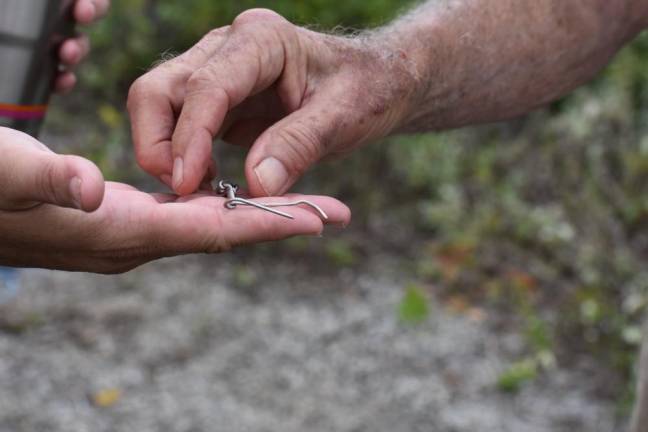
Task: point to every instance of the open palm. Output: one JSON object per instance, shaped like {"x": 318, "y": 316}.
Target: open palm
{"x": 113, "y": 227}
{"x": 132, "y": 227}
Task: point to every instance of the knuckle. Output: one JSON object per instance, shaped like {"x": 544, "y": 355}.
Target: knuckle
{"x": 303, "y": 145}
{"x": 168, "y": 59}
{"x": 154, "y": 82}
{"x": 216, "y": 33}
{"x": 139, "y": 90}
{"x": 204, "y": 78}
{"x": 47, "y": 179}
{"x": 256, "y": 16}
{"x": 153, "y": 87}
{"x": 207, "y": 80}
{"x": 204, "y": 45}
{"x": 262, "y": 27}
{"x": 207, "y": 77}
{"x": 219, "y": 240}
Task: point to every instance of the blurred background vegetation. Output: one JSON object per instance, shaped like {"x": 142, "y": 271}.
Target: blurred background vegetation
{"x": 543, "y": 219}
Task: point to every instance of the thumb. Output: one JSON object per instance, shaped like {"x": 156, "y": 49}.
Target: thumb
{"x": 31, "y": 176}
{"x": 282, "y": 154}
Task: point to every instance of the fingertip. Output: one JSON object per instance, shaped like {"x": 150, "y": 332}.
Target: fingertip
{"x": 70, "y": 52}
{"x": 192, "y": 164}
{"x": 255, "y": 187}
{"x": 201, "y": 118}
{"x": 89, "y": 192}
{"x": 184, "y": 181}
{"x": 85, "y": 12}
{"x": 186, "y": 188}
{"x": 92, "y": 192}
{"x": 345, "y": 215}
{"x": 65, "y": 82}
{"x": 73, "y": 51}
{"x": 338, "y": 213}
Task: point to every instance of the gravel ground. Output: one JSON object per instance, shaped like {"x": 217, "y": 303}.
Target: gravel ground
{"x": 302, "y": 347}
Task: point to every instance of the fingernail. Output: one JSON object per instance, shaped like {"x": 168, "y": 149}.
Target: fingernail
{"x": 272, "y": 174}
{"x": 166, "y": 179}
{"x": 75, "y": 191}
{"x": 178, "y": 175}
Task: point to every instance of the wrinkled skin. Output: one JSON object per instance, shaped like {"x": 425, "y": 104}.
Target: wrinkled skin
{"x": 295, "y": 94}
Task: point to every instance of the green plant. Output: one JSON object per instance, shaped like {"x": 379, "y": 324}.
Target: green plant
{"x": 414, "y": 307}
{"x": 517, "y": 374}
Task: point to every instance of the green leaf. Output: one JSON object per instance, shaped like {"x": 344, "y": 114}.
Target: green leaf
{"x": 414, "y": 307}
{"x": 341, "y": 252}
{"x": 512, "y": 379}
{"x": 244, "y": 277}
{"x": 538, "y": 334}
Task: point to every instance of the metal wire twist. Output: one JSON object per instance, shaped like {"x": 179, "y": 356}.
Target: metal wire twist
{"x": 228, "y": 190}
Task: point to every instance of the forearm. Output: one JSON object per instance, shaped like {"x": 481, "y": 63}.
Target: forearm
{"x": 477, "y": 61}
{"x": 294, "y": 96}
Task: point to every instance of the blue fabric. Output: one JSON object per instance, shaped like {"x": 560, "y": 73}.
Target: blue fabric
{"x": 9, "y": 284}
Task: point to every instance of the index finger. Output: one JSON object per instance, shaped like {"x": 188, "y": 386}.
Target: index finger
{"x": 251, "y": 60}
{"x": 88, "y": 11}
{"x": 156, "y": 98}
{"x": 152, "y": 113}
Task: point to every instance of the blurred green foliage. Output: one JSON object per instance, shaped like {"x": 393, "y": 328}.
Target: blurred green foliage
{"x": 517, "y": 375}
{"x": 545, "y": 217}
{"x": 244, "y": 276}
{"x": 414, "y": 307}
{"x": 340, "y": 252}
{"x": 138, "y": 32}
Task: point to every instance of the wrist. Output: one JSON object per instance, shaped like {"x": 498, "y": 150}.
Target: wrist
{"x": 408, "y": 63}
{"x": 395, "y": 80}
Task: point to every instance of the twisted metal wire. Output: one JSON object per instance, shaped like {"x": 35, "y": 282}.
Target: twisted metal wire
{"x": 229, "y": 190}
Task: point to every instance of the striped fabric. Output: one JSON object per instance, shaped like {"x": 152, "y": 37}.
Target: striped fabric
{"x": 22, "y": 112}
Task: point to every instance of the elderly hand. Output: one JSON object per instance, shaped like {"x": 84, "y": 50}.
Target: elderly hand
{"x": 73, "y": 51}
{"x": 292, "y": 94}
{"x": 57, "y": 212}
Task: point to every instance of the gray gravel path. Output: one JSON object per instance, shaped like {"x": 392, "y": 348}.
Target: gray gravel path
{"x": 305, "y": 347}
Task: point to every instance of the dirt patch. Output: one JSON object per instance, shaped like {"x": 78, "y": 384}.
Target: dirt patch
{"x": 177, "y": 346}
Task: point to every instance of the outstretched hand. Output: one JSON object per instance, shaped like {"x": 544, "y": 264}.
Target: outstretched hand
{"x": 57, "y": 212}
